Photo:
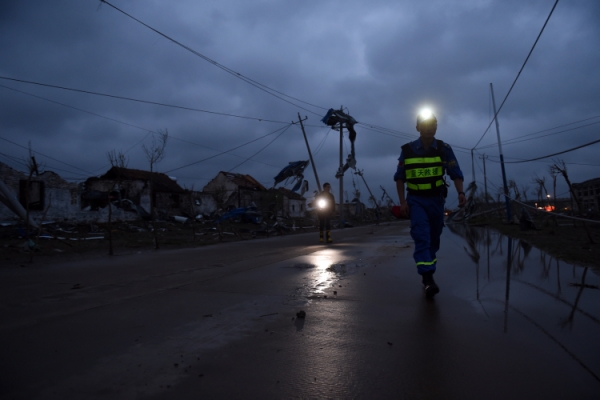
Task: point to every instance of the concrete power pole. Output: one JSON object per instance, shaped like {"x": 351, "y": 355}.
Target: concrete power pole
{"x": 341, "y": 175}
{"x": 310, "y": 155}
{"x": 484, "y": 177}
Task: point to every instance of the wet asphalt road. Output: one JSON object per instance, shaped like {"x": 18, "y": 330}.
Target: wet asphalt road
{"x": 220, "y": 322}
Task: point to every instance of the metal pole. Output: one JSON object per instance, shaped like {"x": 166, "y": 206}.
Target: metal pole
{"x": 485, "y": 177}
{"x": 341, "y": 176}
{"x": 373, "y": 197}
{"x": 501, "y": 157}
{"x": 473, "y": 165}
{"x": 310, "y": 155}
{"x": 385, "y": 193}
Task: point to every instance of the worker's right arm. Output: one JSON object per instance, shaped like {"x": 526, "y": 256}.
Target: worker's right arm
{"x": 402, "y": 197}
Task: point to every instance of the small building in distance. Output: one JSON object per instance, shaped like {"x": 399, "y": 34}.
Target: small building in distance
{"x": 588, "y": 193}
{"x": 232, "y": 190}
{"x": 288, "y": 204}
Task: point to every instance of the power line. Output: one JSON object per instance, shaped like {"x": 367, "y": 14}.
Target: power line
{"x": 320, "y": 145}
{"x": 238, "y": 75}
{"x": 268, "y": 144}
{"x": 137, "y": 100}
{"x": 149, "y": 131}
{"x": 211, "y": 148}
{"x": 551, "y": 155}
{"x": 519, "y": 74}
{"x": 76, "y": 108}
{"x": 227, "y": 151}
{"x": 244, "y": 78}
{"x": 47, "y": 168}
{"x": 42, "y": 154}
{"x": 496, "y": 159}
{"x": 519, "y": 140}
{"x": 374, "y": 128}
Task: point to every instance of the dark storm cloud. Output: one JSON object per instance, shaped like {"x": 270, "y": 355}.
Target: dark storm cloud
{"x": 380, "y": 59}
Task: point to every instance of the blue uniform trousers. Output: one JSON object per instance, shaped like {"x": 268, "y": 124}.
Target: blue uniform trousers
{"x": 426, "y": 224}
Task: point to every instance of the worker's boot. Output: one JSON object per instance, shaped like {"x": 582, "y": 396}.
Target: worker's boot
{"x": 329, "y": 240}
{"x": 321, "y": 236}
{"x": 431, "y": 288}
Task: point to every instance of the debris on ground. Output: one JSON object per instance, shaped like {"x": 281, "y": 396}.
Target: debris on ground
{"x": 301, "y": 314}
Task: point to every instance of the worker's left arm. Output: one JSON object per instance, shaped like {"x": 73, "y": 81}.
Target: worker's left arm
{"x": 453, "y": 170}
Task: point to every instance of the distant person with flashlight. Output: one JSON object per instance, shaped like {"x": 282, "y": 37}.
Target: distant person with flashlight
{"x": 421, "y": 167}
{"x": 325, "y": 206}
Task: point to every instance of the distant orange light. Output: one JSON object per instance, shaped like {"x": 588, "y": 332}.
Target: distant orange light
{"x": 549, "y": 208}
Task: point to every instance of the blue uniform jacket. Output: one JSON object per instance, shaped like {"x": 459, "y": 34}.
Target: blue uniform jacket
{"x": 450, "y": 164}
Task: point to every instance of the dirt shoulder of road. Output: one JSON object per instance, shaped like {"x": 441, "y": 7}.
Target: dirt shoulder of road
{"x": 82, "y": 242}
{"x": 565, "y": 242}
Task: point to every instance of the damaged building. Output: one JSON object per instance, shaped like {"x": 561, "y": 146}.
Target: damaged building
{"x": 289, "y": 204}
{"x": 129, "y": 190}
{"x": 45, "y": 194}
{"x": 588, "y": 193}
{"x": 231, "y": 190}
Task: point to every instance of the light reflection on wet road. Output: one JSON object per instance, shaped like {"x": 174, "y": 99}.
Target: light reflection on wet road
{"x": 526, "y": 290}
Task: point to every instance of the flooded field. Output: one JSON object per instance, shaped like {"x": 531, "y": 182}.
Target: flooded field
{"x": 525, "y": 291}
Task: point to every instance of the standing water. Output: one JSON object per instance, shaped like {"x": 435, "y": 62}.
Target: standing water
{"x": 527, "y": 292}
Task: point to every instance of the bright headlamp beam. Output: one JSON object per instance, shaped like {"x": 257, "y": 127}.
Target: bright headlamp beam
{"x": 425, "y": 114}
{"x": 321, "y": 203}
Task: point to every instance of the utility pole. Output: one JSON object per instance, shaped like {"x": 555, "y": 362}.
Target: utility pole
{"x": 385, "y": 193}
{"x": 310, "y": 155}
{"x": 360, "y": 173}
{"x": 501, "y": 156}
{"x": 342, "y": 223}
{"x": 484, "y": 177}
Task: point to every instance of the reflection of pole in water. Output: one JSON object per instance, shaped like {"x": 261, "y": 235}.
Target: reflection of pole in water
{"x": 557, "y": 297}
{"x": 558, "y": 342}
{"x": 488, "y": 243}
{"x": 558, "y": 275}
{"x": 569, "y": 320}
{"x": 508, "y": 268}
{"x": 477, "y": 280}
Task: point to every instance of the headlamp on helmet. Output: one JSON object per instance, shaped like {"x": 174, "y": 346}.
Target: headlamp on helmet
{"x": 426, "y": 116}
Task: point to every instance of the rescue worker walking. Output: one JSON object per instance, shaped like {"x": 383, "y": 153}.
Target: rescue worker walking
{"x": 325, "y": 206}
{"x": 421, "y": 166}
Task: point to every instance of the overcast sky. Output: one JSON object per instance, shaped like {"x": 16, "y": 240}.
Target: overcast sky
{"x": 381, "y": 60}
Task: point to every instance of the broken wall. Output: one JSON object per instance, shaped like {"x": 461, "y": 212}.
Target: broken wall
{"x": 46, "y": 191}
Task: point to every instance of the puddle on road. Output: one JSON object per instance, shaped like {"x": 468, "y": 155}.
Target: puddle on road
{"x": 325, "y": 269}
{"x": 526, "y": 290}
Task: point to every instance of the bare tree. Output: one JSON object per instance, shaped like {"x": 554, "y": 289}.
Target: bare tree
{"x": 512, "y": 185}
{"x": 524, "y": 190}
{"x": 541, "y": 187}
{"x": 219, "y": 194}
{"x": 118, "y": 161}
{"x": 154, "y": 154}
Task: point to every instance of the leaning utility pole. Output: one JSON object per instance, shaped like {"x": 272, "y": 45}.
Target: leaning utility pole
{"x": 501, "y": 157}
{"x": 342, "y": 223}
{"x": 386, "y": 194}
{"x": 360, "y": 173}
{"x": 310, "y": 155}
{"x": 484, "y": 177}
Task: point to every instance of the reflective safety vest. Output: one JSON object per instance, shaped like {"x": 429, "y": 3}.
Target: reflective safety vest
{"x": 424, "y": 173}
